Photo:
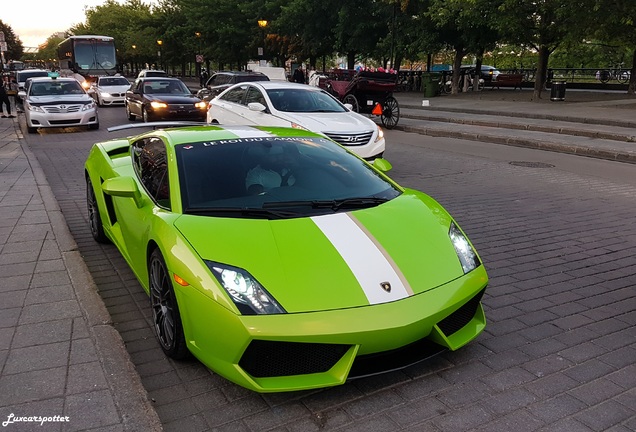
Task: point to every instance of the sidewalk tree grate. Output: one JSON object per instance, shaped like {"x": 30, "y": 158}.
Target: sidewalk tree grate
{"x": 532, "y": 164}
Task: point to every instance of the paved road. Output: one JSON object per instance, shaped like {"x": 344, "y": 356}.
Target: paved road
{"x": 560, "y": 348}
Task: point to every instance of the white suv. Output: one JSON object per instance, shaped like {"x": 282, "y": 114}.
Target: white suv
{"x": 58, "y": 102}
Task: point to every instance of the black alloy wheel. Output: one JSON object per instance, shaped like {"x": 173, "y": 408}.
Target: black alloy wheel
{"x": 165, "y": 312}
{"x": 94, "y": 219}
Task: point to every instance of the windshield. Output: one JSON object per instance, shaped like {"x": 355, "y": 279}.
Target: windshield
{"x": 113, "y": 81}
{"x": 301, "y": 100}
{"x": 93, "y": 54}
{"x": 56, "y": 88}
{"x": 173, "y": 86}
{"x": 24, "y": 75}
{"x": 276, "y": 177}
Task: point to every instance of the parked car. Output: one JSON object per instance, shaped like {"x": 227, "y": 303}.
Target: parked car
{"x": 336, "y": 273}
{"x": 111, "y": 90}
{"x": 278, "y": 103}
{"x": 58, "y": 102}
{"x": 22, "y": 75}
{"x": 163, "y": 99}
{"x": 488, "y": 73}
{"x": 220, "y": 81}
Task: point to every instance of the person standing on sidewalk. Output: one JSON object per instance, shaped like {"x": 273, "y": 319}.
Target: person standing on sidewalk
{"x": 4, "y": 98}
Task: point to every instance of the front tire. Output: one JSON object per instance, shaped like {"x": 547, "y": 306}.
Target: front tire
{"x": 165, "y": 311}
{"x": 146, "y": 115}
{"x": 130, "y": 115}
{"x": 94, "y": 219}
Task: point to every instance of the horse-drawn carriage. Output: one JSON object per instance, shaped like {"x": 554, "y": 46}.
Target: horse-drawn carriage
{"x": 366, "y": 92}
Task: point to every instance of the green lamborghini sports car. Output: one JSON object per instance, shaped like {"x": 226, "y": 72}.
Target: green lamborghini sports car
{"x": 281, "y": 260}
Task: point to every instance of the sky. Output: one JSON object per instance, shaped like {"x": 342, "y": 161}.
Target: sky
{"x": 33, "y": 21}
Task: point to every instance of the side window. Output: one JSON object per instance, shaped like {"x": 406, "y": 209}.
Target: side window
{"x": 254, "y": 95}
{"x": 151, "y": 165}
{"x": 235, "y": 95}
{"x": 219, "y": 80}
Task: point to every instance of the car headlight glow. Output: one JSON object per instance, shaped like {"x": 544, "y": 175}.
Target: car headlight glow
{"x": 158, "y": 105}
{"x": 201, "y": 105}
{"x": 104, "y": 94}
{"x": 380, "y": 134}
{"x": 34, "y": 108}
{"x": 247, "y": 293}
{"x": 86, "y": 85}
{"x": 465, "y": 252}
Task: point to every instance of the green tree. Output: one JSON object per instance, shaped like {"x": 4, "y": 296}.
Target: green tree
{"x": 618, "y": 29}
{"x": 15, "y": 49}
{"x": 544, "y": 25}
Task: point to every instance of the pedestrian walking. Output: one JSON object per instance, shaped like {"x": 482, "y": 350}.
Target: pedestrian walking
{"x": 299, "y": 75}
{"x": 4, "y": 99}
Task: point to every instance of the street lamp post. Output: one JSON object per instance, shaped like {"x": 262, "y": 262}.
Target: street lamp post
{"x": 134, "y": 65}
{"x": 261, "y": 50}
{"x": 159, "y": 42}
{"x": 198, "y": 56}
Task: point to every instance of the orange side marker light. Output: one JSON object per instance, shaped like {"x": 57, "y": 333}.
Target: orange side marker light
{"x": 178, "y": 279}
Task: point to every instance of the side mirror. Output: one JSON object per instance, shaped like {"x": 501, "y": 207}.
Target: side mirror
{"x": 123, "y": 187}
{"x": 22, "y": 94}
{"x": 349, "y": 106}
{"x": 256, "y": 106}
{"x": 382, "y": 165}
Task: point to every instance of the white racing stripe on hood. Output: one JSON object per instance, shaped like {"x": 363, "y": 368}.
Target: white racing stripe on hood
{"x": 366, "y": 260}
{"x": 248, "y": 132}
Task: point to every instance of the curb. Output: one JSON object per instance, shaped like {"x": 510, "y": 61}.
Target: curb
{"x": 525, "y": 142}
{"x": 129, "y": 395}
{"x": 585, "y": 120}
{"x": 525, "y": 127}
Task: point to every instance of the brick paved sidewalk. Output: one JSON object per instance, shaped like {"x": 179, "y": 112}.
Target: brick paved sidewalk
{"x": 59, "y": 354}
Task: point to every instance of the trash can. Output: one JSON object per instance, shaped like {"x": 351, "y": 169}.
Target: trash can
{"x": 557, "y": 91}
{"x": 430, "y": 83}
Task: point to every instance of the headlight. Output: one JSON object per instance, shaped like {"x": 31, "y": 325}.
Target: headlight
{"x": 380, "y": 134}
{"x": 86, "y": 85}
{"x": 158, "y": 105}
{"x": 201, "y": 105}
{"x": 88, "y": 106}
{"x": 104, "y": 94}
{"x": 34, "y": 108}
{"x": 465, "y": 252}
{"x": 247, "y": 293}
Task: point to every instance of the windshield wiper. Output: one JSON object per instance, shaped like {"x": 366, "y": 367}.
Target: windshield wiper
{"x": 253, "y": 212}
{"x": 348, "y": 203}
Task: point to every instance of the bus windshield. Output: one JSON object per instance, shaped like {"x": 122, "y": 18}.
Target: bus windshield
{"x": 94, "y": 54}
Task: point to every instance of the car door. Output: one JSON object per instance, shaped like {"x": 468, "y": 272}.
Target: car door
{"x": 134, "y": 97}
{"x": 150, "y": 164}
{"x": 229, "y": 108}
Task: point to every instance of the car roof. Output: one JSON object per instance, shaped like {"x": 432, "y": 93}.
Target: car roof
{"x": 64, "y": 79}
{"x": 267, "y": 85}
{"x": 241, "y": 73}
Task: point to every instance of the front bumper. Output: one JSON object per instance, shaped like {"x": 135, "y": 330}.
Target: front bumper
{"x": 47, "y": 120}
{"x": 288, "y": 352}
{"x": 176, "y": 112}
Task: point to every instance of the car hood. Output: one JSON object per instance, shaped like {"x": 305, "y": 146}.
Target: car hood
{"x": 60, "y": 100}
{"x": 114, "y": 89}
{"x": 331, "y": 122}
{"x": 336, "y": 261}
{"x": 173, "y": 99}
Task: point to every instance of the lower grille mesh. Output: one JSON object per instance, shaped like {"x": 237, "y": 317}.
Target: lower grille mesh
{"x": 264, "y": 359}
{"x": 461, "y": 316}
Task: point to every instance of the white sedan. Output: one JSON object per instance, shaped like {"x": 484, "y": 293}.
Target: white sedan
{"x": 111, "y": 90}
{"x": 271, "y": 103}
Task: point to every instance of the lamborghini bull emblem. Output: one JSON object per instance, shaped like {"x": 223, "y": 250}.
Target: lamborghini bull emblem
{"x": 386, "y": 286}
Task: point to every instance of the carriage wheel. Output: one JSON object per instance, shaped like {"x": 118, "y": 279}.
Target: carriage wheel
{"x": 390, "y": 113}
{"x": 351, "y": 99}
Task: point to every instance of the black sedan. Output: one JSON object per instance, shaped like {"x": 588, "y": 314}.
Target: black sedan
{"x": 162, "y": 98}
